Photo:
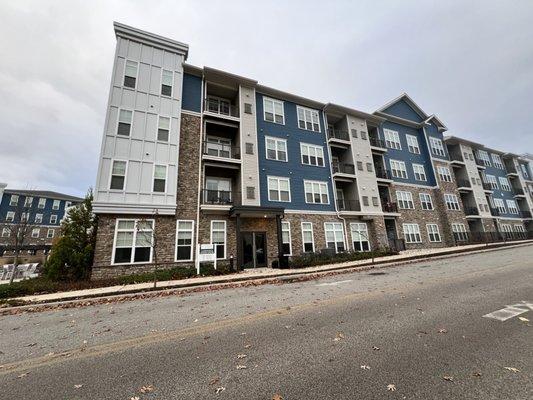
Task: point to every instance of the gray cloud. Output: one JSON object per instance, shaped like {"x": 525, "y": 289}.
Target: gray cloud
{"x": 468, "y": 62}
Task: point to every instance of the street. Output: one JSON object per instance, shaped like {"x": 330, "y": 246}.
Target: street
{"x": 410, "y": 332}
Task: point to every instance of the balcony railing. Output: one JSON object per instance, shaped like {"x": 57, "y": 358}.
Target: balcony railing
{"x": 463, "y": 183}
{"x": 348, "y": 205}
{"x": 221, "y": 150}
{"x": 343, "y": 168}
{"x": 525, "y": 214}
{"x": 382, "y": 173}
{"x": 338, "y": 134}
{"x": 471, "y": 211}
{"x": 518, "y": 191}
{"x": 491, "y": 237}
{"x": 221, "y": 107}
{"x": 377, "y": 142}
{"x": 487, "y": 186}
{"x": 457, "y": 157}
{"x": 219, "y": 197}
{"x": 389, "y": 207}
{"x": 494, "y": 212}
{"x": 483, "y": 163}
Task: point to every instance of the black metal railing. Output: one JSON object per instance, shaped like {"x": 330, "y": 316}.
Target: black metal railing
{"x": 471, "y": 211}
{"x": 389, "y": 206}
{"x": 376, "y": 142}
{"x": 525, "y": 214}
{"x": 490, "y": 237}
{"x": 221, "y": 150}
{"x": 483, "y": 163}
{"x": 457, "y": 157}
{"x": 220, "y": 197}
{"x": 348, "y": 205}
{"x": 463, "y": 183}
{"x": 518, "y": 191}
{"x": 338, "y": 134}
{"x": 487, "y": 186}
{"x": 343, "y": 168}
{"x": 511, "y": 169}
{"x": 494, "y": 212}
{"x": 221, "y": 107}
{"x": 382, "y": 173}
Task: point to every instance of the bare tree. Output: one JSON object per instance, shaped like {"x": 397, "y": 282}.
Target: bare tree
{"x": 146, "y": 232}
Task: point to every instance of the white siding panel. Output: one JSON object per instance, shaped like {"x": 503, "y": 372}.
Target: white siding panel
{"x": 109, "y": 146}
{"x": 118, "y": 78}
{"x": 169, "y": 61}
{"x": 155, "y": 80}
{"x": 136, "y": 151}
{"x": 151, "y": 126}
{"x": 113, "y": 120}
{"x": 141, "y": 102}
{"x": 128, "y": 98}
{"x": 137, "y": 130}
{"x": 122, "y": 148}
{"x": 122, "y": 47}
{"x": 153, "y": 102}
{"x": 157, "y": 59}
{"x": 143, "y": 81}
{"x": 132, "y": 180}
{"x": 116, "y": 97}
{"x": 134, "y": 51}
{"x": 149, "y": 151}
{"x": 147, "y": 171}
{"x": 166, "y": 107}
{"x": 146, "y": 54}
{"x": 161, "y": 154}
{"x": 106, "y": 171}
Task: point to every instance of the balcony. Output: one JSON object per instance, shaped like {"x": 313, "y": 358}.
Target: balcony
{"x": 457, "y": 160}
{"x": 463, "y": 184}
{"x": 525, "y": 214}
{"x": 481, "y": 163}
{"x": 377, "y": 144}
{"x": 337, "y": 134}
{"x": 221, "y": 107}
{"x": 494, "y": 212}
{"x": 218, "y": 197}
{"x": 511, "y": 171}
{"x": 471, "y": 211}
{"x": 383, "y": 175}
{"x": 348, "y": 205}
{"x": 342, "y": 168}
{"x": 389, "y": 207}
{"x": 519, "y": 192}
{"x": 221, "y": 150}
{"x": 487, "y": 187}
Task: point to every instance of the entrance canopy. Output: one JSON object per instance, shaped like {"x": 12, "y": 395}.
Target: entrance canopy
{"x": 256, "y": 212}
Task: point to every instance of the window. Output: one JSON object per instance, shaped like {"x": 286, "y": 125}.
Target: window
{"x": 130, "y": 74}
{"x": 249, "y": 148}
{"x": 360, "y": 239}
{"x": 53, "y": 219}
{"x": 459, "y": 232}
{"x": 369, "y": 167}
{"x": 38, "y": 218}
{"x": 412, "y": 144}
{"x": 316, "y": 192}
{"x": 247, "y": 108}
{"x": 279, "y": 189}
{"x": 163, "y": 129}
{"x": 218, "y": 190}
{"x": 437, "y": 147}
{"x": 525, "y": 174}
{"x": 411, "y": 233}
{"x": 50, "y": 233}
{"x": 276, "y": 149}
{"x": 444, "y": 174}
{"x": 42, "y": 203}
{"x": 308, "y": 119}
{"x": 360, "y": 166}
{"x": 308, "y": 239}
{"x": 433, "y": 232}
{"x": 10, "y": 216}
{"x": 519, "y": 228}
{"x": 405, "y": 200}
{"x": 507, "y": 230}
{"x": 55, "y": 205}
{"x": 133, "y": 241}
{"x": 6, "y": 232}
{"x": 35, "y": 232}
{"x": 167, "y": 78}
{"x": 160, "y": 178}
{"x": 25, "y": 217}
{"x": 511, "y": 206}
{"x": 219, "y": 147}
{"x": 218, "y": 238}
{"x": 392, "y": 139}
{"x": 491, "y": 180}
{"x": 420, "y": 172}
{"x": 504, "y": 183}
{"x": 28, "y": 202}
{"x": 118, "y": 175}
{"x": 500, "y": 205}
{"x": 286, "y": 238}
{"x": 250, "y": 192}
{"x": 398, "y": 169}
{"x": 483, "y": 157}
{"x": 497, "y": 161}
{"x": 124, "y": 122}
{"x": 451, "y": 200}
{"x": 14, "y": 201}
{"x": 425, "y": 201}
{"x": 334, "y": 236}
{"x": 273, "y": 110}
{"x": 312, "y": 155}
{"x": 184, "y": 240}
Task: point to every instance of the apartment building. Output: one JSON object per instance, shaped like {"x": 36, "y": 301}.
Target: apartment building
{"x": 43, "y": 209}
{"x": 196, "y": 156}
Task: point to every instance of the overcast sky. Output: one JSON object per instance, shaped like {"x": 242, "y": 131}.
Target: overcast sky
{"x": 468, "y": 62}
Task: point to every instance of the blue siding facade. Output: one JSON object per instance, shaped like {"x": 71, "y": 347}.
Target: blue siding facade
{"x": 499, "y": 193}
{"x": 433, "y": 131}
{"x": 293, "y": 168}
{"x": 47, "y": 211}
{"x": 191, "y": 99}
{"x": 403, "y": 110}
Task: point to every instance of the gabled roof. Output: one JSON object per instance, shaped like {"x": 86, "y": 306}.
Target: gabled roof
{"x": 438, "y": 122}
{"x": 44, "y": 193}
{"x": 405, "y": 97}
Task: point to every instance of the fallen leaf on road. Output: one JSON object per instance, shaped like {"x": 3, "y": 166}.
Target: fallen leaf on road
{"x": 365, "y": 367}
{"x": 220, "y": 389}
{"x": 512, "y": 369}
{"x": 214, "y": 380}
{"x": 31, "y": 344}
{"x": 146, "y": 389}
{"x": 448, "y": 378}
{"x": 277, "y": 397}
{"x": 375, "y": 348}
{"x": 247, "y": 346}
{"x": 241, "y": 355}
{"x": 135, "y": 398}
{"x": 523, "y": 319}
{"x": 77, "y": 386}
{"x": 477, "y": 374}
{"x": 241, "y": 367}
{"x": 339, "y": 336}
{"x": 391, "y": 387}
{"x": 443, "y": 330}
{"x": 22, "y": 375}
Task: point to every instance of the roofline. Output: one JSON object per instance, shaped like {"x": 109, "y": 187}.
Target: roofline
{"x": 399, "y": 120}
{"x": 477, "y": 145}
{"x": 289, "y": 96}
{"x": 238, "y": 78}
{"x": 354, "y": 112}
{"x": 404, "y": 95}
{"x": 41, "y": 193}
{"x": 129, "y": 32}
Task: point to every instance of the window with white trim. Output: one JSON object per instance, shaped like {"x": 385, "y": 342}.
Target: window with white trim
{"x": 504, "y": 183}
{"x": 433, "y": 233}
{"x": 512, "y": 207}
{"x": 308, "y": 119}
{"x": 53, "y": 219}
{"x": 160, "y": 178}
{"x": 483, "y": 156}
{"x": 218, "y": 238}
{"x": 167, "y": 78}
{"x": 124, "y": 122}
{"x": 411, "y": 233}
{"x": 130, "y": 73}
{"x": 14, "y": 200}
{"x": 459, "y": 232}
{"x": 398, "y": 169}
{"x": 412, "y": 144}
{"x": 279, "y": 189}
{"x": 405, "y": 200}
{"x": 334, "y": 232}
{"x": 496, "y": 159}
{"x": 184, "y": 240}
{"x": 276, "y": 148}
{"x": 25, "y": 217}
{"x": 35, "y": 232}
{"x": 420, "y": 172}
{"x": 28, "y": 202}
{"x": 507, "y": 230}
{"x": 308, "y": 239}
{"x": 56, "y": 204}
{"x": 42, "y": 203}
{"x": 133, "y": 241}
{"x": 163, "y": 129}
{"x": 519, "y": 228}
{"x": 425, "y": 201}
{"x": 360, "y": 238}
{"x": 118, "y": 175}
{"x": 286, "y": 238}
{"x": 38, "y": 218}
{"x": 452, "y": 202}
{"x": 312, "y": 154}
{"x": 437, "y": 147}
{"x": 6, "y": 232}
{"x": 491, "y": 180}
{"x": 316, "y": 192}
{"x": 50, "y": 233}
{"x": 273, "y": 110}
{"x": 444, "y": 174}
{"x": 392, "y": 139}
{"x": 500, "y": 205}
{"x": 10, "y": 216}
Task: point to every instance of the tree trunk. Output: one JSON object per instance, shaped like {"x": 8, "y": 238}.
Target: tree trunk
{"x": 15, "y": 264}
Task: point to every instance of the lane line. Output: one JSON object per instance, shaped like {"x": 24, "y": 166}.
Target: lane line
{"x": 510, "y": 311}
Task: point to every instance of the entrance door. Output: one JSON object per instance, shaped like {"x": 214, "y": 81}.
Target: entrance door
{"x": 254, "y": 249}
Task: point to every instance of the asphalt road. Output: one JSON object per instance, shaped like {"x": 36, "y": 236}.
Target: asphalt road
{"x": 418, "y": 327}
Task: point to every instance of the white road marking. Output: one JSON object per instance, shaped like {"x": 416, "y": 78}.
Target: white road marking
{"x": 510, "y": 311}
{"x": 334, "y": 283}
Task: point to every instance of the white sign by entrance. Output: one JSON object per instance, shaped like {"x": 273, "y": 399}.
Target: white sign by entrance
{"x": 206, "y": 253}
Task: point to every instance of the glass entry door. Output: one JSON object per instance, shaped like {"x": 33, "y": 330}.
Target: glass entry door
{"x": 254, "y": 249}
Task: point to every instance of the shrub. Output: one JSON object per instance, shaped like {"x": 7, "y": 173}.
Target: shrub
{"x": 314, "y": 259}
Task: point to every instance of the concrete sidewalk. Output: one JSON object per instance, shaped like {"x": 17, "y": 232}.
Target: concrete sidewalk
{"x": 265, "y": 273}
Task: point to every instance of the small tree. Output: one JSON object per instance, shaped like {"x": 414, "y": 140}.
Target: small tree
{"x": 72, "y": 253}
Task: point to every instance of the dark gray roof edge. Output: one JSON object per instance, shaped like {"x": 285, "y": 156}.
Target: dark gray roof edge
{"x": 44, "y": 193}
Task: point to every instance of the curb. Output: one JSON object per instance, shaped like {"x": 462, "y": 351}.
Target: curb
{"x": 288, "y": 277}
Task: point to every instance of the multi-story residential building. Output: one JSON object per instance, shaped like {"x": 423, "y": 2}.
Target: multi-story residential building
{"x": 201, "y": 156}
{"x": 44, "y": 211}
